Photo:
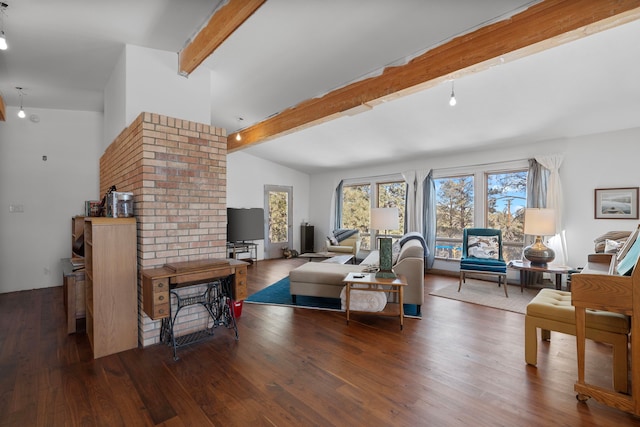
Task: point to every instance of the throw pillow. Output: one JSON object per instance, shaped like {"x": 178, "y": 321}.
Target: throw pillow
{"x": 483, "y": 247}
{"x": 333, "y": 240}
{"x": 611, "y": 246}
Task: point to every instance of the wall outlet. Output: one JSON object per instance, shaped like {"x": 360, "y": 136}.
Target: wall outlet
{"x": 16, "y": 208}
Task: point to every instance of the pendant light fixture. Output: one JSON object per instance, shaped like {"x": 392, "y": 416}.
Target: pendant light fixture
{"x": 21, "y": 113}
{"x": 452, "y": 100}
{"x": 3, "y": 38}
{"x": 238, "y": 136}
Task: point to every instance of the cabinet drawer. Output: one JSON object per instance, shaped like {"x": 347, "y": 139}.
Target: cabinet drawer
{"x": 155, "y": 297}
{"x": 160, "y": 311}
{"x": 240, "y": 284}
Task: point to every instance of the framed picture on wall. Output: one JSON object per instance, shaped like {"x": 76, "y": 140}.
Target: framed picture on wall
{"x": 616, "y": 203}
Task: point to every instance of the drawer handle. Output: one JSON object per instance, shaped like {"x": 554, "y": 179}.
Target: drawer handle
{"x": 161, "y": 298}
{"x": 161, "y": 311}
{"x": 161, "y": 285}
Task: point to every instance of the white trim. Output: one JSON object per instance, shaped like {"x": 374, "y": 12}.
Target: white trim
{"x": 485, "y": 168}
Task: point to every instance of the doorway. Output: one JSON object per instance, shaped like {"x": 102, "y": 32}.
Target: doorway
{"x": 278, "y": 211}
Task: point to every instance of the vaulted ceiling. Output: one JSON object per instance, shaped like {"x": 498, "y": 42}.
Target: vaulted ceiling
{"x": 289, "y": 71}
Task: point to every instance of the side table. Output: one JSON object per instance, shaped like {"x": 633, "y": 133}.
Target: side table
{"x": 525, "y": 266}
{"x": 373, "y": 284}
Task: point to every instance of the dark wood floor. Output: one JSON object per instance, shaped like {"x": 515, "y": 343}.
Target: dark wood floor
{"x": 460, "y": 364}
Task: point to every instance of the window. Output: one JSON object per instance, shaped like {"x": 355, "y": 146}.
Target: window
{"x": 454, "y": 213}
{"x": 356, "y": 209}
{"x": 506, "y": 200}
{"x": 357, "y": 201}
{"x": 393, "y": 195}
{"x": 481, "y": 198}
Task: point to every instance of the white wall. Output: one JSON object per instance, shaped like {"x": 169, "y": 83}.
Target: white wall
{"x": 51, "y": 192}
{"x": 147, "y": 80}
{"x": 246, "y": 177}
{"x": 596, "y": 161}
{"x": 115, "y": 102}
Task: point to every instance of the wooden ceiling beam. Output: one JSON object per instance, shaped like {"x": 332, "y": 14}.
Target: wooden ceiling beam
{"x": 221, "y": 25}
{"x": 541, "y": 26}
{"x": 3, "y": 111}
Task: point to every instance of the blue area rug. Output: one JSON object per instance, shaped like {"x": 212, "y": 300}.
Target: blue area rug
{"x": 278, "y": 294}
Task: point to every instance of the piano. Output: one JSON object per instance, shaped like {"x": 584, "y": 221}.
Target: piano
{"x": 599, "y": 287}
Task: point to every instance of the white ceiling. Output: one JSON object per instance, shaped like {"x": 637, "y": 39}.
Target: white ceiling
{"x": 63, "y": 52}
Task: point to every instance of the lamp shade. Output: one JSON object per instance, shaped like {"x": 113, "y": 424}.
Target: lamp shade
{"x": 539, "y": 222}
{"x": 384, "y": 219}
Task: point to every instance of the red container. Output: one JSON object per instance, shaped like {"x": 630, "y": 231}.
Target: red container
{"x": 236, "y": 306}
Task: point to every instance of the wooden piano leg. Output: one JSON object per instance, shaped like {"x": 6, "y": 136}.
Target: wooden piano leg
{"x": 580, "y": 344}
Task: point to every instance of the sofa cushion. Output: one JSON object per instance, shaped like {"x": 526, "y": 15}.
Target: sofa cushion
{"x": 556, "y": 305}
{"x": 324, "y": 273}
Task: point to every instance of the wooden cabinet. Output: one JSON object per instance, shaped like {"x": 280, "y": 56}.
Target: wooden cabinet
{"x": 77, "y": 232}
{"x": 306, "y": 239}
{"x": 110, "y": 284}
{"x": 73, "y": 294}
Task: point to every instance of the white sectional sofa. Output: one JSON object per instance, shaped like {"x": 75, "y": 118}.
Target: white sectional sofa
{"x": 325, "y": 279}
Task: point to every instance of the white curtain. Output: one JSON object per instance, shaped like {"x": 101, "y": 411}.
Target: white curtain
{"x": 410, "y": 179}
{"x": 555, "y": 201}
{"x": 415, "y": 181}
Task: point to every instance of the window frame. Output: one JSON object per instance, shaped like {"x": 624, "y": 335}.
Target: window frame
{"x": 373, "y": 183}
{"x": 480, "y": 192}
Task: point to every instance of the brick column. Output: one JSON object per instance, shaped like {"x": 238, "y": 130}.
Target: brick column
{"x": 176, "y": 170}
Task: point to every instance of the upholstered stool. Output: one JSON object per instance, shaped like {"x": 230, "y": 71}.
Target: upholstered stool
{"x": 551, "y": 310}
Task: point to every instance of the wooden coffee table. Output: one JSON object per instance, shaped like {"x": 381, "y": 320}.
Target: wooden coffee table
{"x": 373, "y": 284}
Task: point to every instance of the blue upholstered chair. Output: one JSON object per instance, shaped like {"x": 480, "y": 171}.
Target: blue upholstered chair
{"x": 482, "y": 254}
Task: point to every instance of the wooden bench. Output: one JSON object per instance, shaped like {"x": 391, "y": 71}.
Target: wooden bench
{"x": 551, "y": 310}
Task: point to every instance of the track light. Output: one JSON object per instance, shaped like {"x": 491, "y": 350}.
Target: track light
{"x": 452, "y": 100}
{"x": 3, "y": 37}
{"x": 21, "y": 113}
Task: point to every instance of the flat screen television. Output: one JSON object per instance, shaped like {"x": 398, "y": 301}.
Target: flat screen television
{"x": 245, "y": 224}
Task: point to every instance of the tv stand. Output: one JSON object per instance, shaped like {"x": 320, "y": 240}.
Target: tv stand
{"x": 236, "y": 248}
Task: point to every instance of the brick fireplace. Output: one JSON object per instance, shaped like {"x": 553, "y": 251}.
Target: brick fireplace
{"x": 176, "y": 170}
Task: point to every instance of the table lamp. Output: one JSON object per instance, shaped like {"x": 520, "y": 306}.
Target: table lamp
{"x": 385, "y": 219}
{"x": 539, "y": 222}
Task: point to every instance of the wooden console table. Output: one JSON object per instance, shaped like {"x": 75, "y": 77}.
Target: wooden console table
{"x": 225, "y": 279}
{"x": 597, "y": 288}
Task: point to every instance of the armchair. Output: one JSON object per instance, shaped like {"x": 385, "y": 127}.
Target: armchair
{"x": 350, "y": 245}
{"x": 482, "y": 254}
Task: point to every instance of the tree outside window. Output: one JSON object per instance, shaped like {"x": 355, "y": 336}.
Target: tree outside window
{"x": 454, "y": 213}
{"x": 501, "y": 205}
{"x": 278, "y": 217}
{"x": 393, "y": 195}
{"x": 506, "y": 201}
{"x": 356, "y": 209}
{"x": 358, "y": 199}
